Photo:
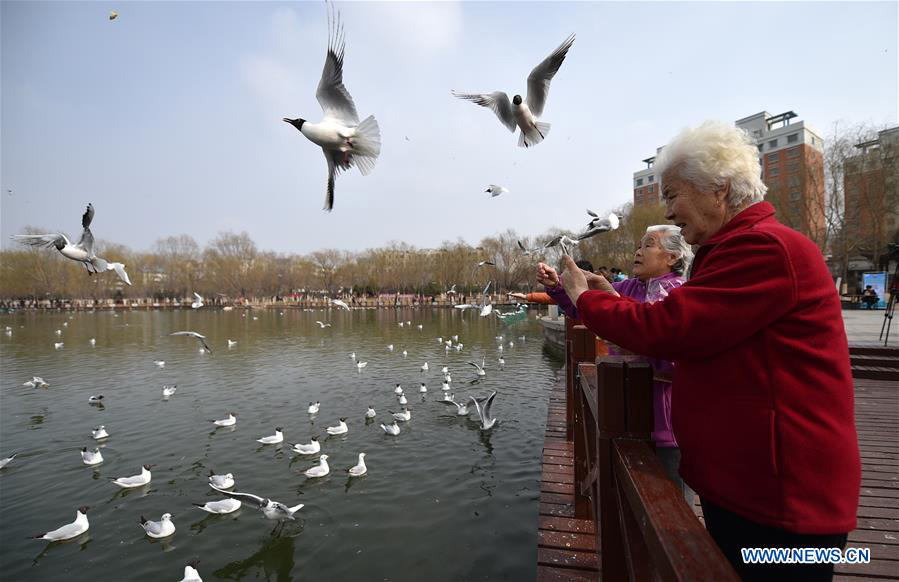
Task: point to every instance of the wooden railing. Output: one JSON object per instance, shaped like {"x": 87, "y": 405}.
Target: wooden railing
{"x": 645, "y": 530}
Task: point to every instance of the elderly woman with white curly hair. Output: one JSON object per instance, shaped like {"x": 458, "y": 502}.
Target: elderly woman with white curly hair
{"x": 762, "y": 405}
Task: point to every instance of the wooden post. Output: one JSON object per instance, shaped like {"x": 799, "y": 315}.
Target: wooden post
{"x": 570, "y": 366}
{"x": 612, "y": 414}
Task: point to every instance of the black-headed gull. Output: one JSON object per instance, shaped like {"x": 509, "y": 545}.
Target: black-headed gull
{"x": 461, "y": 408}
{"x": 225, "y": 481}
{"x": 322, "y": 324}
{"x": 270, "y": 509}
{"x": 308, "y": 449}
{"x": 198, "y": 301}
{"x": 99, "y": 433}
{"x": 519, "y": 113}
{"x": 36, "y": 381}
{"x": 91, "y": 457}
{"x": 195, "y": 335}
{"x": 158, "y": 529}
{"x": 168, "y": 391}
{"x": 230, "y": 420}
{"x": 343, "y": 139}
{"x": 319, "y": 470}
{"x": 495, "y": 190}
{"x": 68, "y": 531}
{"x": 391, "y": 429}
{"x": 484, "y": 414}
{"x": 340, "y": 303}
{"x": 220, "y": 507}
{"x": 599, "y": 224}
{"x": 359, "y": 468}
{"x": 7, "y": 460}
{"x": 190, "y": 572}
{"x": 314, "y": 407}
{"x": 405, "y": 415}
{"x": 136, "y": 480}
{"x": 274, "y": 439}
{"x": 341, "y": 428}
{"x": 82, "y": 251}
{"x": 370, "y": 413}
{"x": 481, "y": 371}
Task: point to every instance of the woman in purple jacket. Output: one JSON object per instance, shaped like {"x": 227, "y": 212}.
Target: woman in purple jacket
{"x": 659, "y": 266}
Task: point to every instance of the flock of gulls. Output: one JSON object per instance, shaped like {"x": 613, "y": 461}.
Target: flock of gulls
{"x": 481, "y": 406}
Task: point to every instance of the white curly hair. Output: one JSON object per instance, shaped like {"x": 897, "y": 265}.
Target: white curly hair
{"x": 672, "y": 241}
{"x": 713, "y": 153}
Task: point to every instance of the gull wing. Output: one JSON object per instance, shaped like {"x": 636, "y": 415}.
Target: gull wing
{"x": 540, "y": 77}
{"x": 197, "y": 295}
{"x": 119, "y": 269}
{"x": 336, "y": 165}
{"x": 478, "y": 408}
{"x": 86, "y": 241}
{"x": 498, "y": 102}
{"x": 249, "y": 498}
{"x": 56, "y": 239}
{"x": 63, "y": 532}
{"x": 331, "y": 93}
{"x": 489, "y": 405}
{"x": 475, "y": 365}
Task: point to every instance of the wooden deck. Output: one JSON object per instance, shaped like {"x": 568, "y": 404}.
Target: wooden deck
{"x": 566, "y": 547}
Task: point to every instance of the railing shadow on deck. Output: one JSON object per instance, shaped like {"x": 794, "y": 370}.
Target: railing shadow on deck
{"x": 645, "y": 530}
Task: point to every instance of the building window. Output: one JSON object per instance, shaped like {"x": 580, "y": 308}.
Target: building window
{"x": 772, "y": 158}
{"x": 793, "y": 152}
{"x": 639, "y": 181}
{"x": 773, "y": 171}
{"x": 772, "y": 144}
{"x": 651, "y": 178}
{"x": 793, "y": 138}
{"x": 650, "y": 187}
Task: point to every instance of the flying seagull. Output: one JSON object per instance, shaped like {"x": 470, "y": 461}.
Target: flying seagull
{"x": 518, "y": 113}
{"x": 487, "y": 420}
{"x": 82, "y": 252}
{"x": 198, "y": 303}
{"x": 270, "y": 509}
{"x": 496, "y": 190}
{"x": 343, "y": 139}
{"x": 113, "y": 14}
{"x": 599, "y": 224}
{"x": 486, "y": 307}
{"x": 482, "y": 263}
{"x": 340, "y": 303}
{"x": 193, "y": 334}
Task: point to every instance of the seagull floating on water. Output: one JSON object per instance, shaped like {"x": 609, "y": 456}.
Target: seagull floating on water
{"x": 370, "y": 413}
{"x": 7, "y": 460}
{"x": 160, "y": 363}
{"x": 58, "y": 345}
{"x": 35, "y": 382}
{"x": 402, "y": 399}
{"x": 481, "y": 371}
{"x": 99, "y": 433}
{"x": 312, "y": 448}
{"x": 220, "y": 507}
{"x": 82, "y": 252}
{"x": 398, "y": 390}
{"x": 274, "y": 439}
{"x": 359, "y": 468}
{"x": 198, "y": 337}
{"x": 92, "y": 341}
{"x": 169, "y": 390}
{"x": 314, "y": 407}
{"x": 68, "y": 531}
{"x": 391, "y": 429}
{"x": 319, "y": 470}
{"x": 231, "y": 343}
{"x": 422, "y": 389}
{"x": 230, "y": 420}
{"x": 405, "y": 415}
{"x": 136, "y": 480}
{"x": 190, "y": 572}
{"x": 91, "y": 457}
{"x": 361, "y": 365}
{"x": 523, "y": 115}
{"x": 225, "y": 481}
{"x": 158, "y": 529}
{"x": 343, "y": 139}
{"x": 341, "y": 428}
{"x": 424, "y": 367}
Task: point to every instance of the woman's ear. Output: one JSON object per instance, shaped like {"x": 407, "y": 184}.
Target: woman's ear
{"x": 721, "y": 194}
{"x": 671, "y": 260}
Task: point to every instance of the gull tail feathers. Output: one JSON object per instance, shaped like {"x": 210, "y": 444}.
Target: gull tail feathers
{"x": 534, "y": 136}
{"x": 367, "y": 144}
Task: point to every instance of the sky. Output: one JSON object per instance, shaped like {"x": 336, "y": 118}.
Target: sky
{"x": 168, "y": 118}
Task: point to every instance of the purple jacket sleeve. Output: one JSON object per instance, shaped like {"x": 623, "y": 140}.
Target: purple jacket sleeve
{"x": 559, "y": 295}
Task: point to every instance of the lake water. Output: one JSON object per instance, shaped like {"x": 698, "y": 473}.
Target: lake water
{"x": 442, "y": 501}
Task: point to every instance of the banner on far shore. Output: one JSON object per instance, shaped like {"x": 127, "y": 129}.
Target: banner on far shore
{"x": 878, "y": 281}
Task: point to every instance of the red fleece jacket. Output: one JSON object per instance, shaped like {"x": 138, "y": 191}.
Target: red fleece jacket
{"x": 763, "y": 401}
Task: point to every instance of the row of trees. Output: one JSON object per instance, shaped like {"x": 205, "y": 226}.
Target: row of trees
{"x": 232, "y": 266}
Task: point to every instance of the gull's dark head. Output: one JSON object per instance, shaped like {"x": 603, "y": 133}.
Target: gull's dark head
{"x": 516, "y": 100}
{"x": 83, "y": 509}
{"x": 278, "y": 429}
{"x": 297, "y": 123}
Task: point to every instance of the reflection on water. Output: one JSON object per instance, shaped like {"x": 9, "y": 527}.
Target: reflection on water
{"x": 442, "y": 487}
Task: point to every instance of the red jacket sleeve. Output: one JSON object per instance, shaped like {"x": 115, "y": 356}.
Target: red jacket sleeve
{"x": 745, "y": 283}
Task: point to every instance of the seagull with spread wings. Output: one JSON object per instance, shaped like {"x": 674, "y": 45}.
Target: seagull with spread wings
{"x": 82, "y": 251}
{"x": 343, "y": 138}
{"x": 195, "y": 335}
{"x": 524, "y": 114}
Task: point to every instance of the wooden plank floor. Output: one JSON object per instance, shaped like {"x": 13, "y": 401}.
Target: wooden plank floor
{"x": 566, "y": 547}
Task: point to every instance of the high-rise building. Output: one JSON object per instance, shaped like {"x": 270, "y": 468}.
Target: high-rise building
{"x": 792, "y": 159}
{"x": 871, "y": 197}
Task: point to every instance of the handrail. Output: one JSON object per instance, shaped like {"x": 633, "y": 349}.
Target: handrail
{"x": 645, "y": 530}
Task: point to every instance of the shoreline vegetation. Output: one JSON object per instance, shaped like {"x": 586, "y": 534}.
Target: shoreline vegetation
{"x": 231, "y": 270}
